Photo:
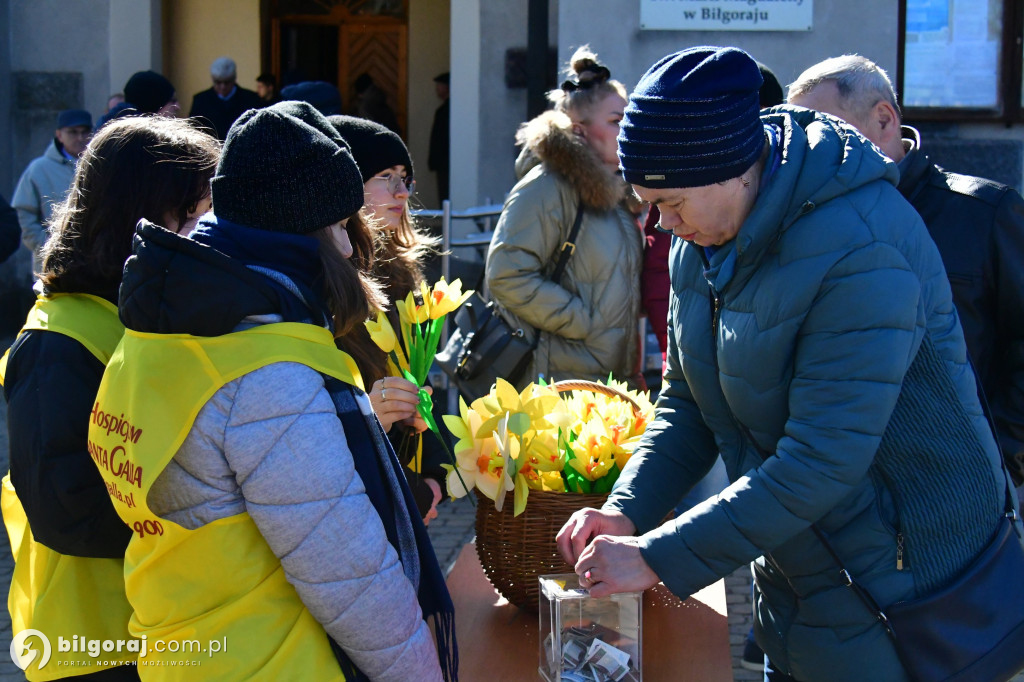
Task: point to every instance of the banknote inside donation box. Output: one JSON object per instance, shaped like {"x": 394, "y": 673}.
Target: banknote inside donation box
{"x": 583, "y": 639}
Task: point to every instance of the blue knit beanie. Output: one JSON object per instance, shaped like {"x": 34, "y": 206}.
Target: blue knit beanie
{"x": 693, "y": 120}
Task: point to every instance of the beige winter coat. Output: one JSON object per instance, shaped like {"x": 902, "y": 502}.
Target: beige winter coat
{"x": 589, "y": 320}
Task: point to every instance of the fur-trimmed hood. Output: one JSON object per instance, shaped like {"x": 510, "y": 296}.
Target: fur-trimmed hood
{"x": 549, "y": 139}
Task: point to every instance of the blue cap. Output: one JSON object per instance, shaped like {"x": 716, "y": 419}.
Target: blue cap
{"x": 69, "y": 118}
{"x": 322, "y": 95}
{"x": 693, "y": 120}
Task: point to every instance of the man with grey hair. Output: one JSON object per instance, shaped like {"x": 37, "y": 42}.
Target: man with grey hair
{"x": 223, "y": 103}
{"x": 977, "y": 224}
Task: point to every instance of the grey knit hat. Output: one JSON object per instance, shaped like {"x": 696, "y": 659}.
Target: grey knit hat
{"x": 693, "y": 120}
{"x": 281, "y": 174}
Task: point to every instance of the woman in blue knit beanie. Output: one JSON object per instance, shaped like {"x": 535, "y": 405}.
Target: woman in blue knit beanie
{"x": 814, "y": 344}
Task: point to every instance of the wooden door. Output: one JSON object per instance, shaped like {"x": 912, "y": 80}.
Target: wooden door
{"x": 379, "y": 50}
{"x": 338, "y": 41}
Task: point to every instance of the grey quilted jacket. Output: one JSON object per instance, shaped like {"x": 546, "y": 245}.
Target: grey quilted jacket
{"x": 270, "y": 444}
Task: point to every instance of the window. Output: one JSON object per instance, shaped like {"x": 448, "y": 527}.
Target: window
{"x": 961, "y": 60}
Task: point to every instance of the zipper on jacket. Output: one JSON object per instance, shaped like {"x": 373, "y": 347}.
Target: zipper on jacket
{"x": 899, "y": 551}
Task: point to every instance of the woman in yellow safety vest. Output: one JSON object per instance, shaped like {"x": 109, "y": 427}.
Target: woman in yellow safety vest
{"x": 67, "y": 540}
{"x": 271, "y": 522}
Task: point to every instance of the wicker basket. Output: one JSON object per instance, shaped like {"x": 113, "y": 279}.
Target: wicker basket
{"x": 515, "y": 550}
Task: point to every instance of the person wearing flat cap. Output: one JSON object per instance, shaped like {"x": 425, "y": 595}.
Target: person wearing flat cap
{"x": 47, "y": 179}
{"x": 813, "y": 342}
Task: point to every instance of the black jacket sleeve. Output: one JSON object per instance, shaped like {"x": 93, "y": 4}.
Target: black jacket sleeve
{"x": 50, "y": 388}
{"x": 10, "y": 230}
{"x": 1007, "y": 401}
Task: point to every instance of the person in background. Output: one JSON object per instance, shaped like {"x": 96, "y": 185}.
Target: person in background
{"x": 438, "y": 159}
{"x": 67, "y": 540}
{"x": 266, "y": 88}
{"x": 262, "y": 460}
{"x": 814, "y": 345}
{"x": 372, "y": 103}
{"x": 977, "y": 224}
{"x": 113, "y": 101}
{"x": 588, "y": 322}
{"x": 46, "y": 180}
{"x": 147, "y": 93}
{"x": 396, "y": 261}
{"x": 225, "y": 100}
{"x": 325, "y": 97}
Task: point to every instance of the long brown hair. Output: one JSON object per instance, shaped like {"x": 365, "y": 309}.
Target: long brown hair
{"x": 139, "y": 167}
{"x": 395, "y": 260}
{"x": 351, "y": 294}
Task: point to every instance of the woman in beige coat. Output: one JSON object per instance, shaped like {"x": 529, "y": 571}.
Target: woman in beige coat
{"x": 588, "y": 321}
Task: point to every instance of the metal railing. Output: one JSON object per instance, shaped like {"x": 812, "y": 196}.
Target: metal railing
{"x": 483, "y": 216}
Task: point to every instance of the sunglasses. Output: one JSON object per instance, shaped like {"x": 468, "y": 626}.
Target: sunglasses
{"x": 396, "y": 182}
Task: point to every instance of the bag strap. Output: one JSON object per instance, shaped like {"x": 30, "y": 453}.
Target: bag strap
{"x": 564, "y": 254}
{"x": 568, "y": 246}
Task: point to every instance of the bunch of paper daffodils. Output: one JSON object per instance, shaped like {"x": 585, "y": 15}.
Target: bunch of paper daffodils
{"x": 541, "y": 439}
{"x": 421, "y": 322}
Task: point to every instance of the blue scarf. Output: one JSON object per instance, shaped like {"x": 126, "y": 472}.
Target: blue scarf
{"x": 289, "y": 262}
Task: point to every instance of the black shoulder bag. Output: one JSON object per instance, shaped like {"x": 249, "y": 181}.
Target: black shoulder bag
{"x": 484, "y": 346}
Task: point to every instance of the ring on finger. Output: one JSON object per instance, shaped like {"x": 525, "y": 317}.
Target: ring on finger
{"x": 384, "y": 394}
{"x": 589, "y": 575}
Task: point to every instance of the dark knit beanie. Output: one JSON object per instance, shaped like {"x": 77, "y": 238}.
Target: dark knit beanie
{"x": 693, "y": 120}
{"x": 148, "y": 91}
{"x": 311, "y": 116}
{"x": 281, "y": 174}
{"x": 374, "y": 147}
{"x": 324, "y": 96}
{"x": 770, "y": 94}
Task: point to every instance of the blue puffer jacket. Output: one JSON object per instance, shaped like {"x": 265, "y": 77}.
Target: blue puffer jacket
{"x": 825, "y": 331}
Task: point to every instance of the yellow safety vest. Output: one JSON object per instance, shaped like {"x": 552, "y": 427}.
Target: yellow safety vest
{"x": 220, "y": 585}
{"x": 66, "y": 596}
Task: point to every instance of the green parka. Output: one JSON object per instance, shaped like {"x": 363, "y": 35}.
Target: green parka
{"x": 826, "y": 333}
{"x": 589, "y": 321}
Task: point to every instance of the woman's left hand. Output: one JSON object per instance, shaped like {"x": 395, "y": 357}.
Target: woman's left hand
{"x": 435, "y": 488}
{"x": 612, "y": 564}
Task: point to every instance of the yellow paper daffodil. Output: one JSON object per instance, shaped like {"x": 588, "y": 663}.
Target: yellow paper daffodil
{"x": 445, "y": 298}
{"x": 594, "y": 450}
{"x": 518, "y": 440}
{"x": 382, "y": 333}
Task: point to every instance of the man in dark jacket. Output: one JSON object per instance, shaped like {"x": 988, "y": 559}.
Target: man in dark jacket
{"x": 977, "y": 224}
{"x": 223, "y": 103}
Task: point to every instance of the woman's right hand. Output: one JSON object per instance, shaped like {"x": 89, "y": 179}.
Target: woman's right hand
{"x": 393, "y": 399}
{"x": 585, "y": 525}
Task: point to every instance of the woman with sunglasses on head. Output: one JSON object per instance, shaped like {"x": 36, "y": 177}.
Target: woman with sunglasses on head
{"x": 67, "y": 540}
{"x": 588, "y": 320}
{"x": 396, "y": 260}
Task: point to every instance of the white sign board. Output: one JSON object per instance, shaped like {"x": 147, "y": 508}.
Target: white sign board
{"x": 726, "y": 15}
